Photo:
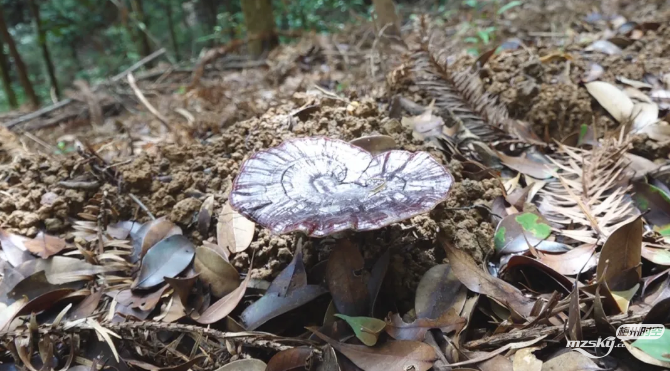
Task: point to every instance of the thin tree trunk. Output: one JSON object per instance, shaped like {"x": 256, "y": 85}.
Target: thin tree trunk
{"x": 260, "y": 26}
{"x": 42, "y": 39}
{"x": 387, "y": 17}
{"x": 6, "y": 80}
{"x": 173, "y": 36}
{"x": 20, "y": 66}
{"x": 145, "y": 47}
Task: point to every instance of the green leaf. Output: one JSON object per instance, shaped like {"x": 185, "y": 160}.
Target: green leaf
{"x": 656, "y": 348}
{"x": 652, "y": 201}
{"x": 471, "y": 40}
{"x": 486, "y": 38}
{"x": 366, "y": 329}
{"x": 514, "y": 230}
{"x": 508, "y": 6}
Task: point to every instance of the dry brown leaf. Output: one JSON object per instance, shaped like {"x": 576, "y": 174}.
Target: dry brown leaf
{"x": 622, "y": 251}
{"x": 475, "y": 279}
{"x": 215, "y": 271}
{"x": 167, "y": 258}
{"x": 205, "y": 216}
{"x": 233, "y": 231}
{"x": 151, "y": 233}
{"x": 295, "y": 359}
{"x": 438, "y": 291}
{"x": 375, "y": 143}
{"x": 45, "y": 245}
{"x": 222, "y": 307}
{"x": 392, "y": 355}
{"x": 400, "y": 330}
{"x": 570, "y": 263}
{"x": 244, "y": 365}
{"x": 346, "y": 279}
{"x": 612, "y": 99}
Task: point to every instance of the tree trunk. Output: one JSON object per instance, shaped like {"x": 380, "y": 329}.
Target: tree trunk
{"x": 20, "y": 66}
{"x": 42, "y": 40}
{"x": 143, "y": 27}
{"x": 260, "y": 26}
{"x": 387, "y": 17}
{"x": 173, "y": 36}
{"x": 6, "y": 80}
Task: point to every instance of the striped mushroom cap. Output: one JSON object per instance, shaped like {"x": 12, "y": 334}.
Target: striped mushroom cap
{"x": 321, "y": 186}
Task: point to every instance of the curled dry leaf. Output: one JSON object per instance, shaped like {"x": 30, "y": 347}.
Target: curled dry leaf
{"x": 479, "y": 281}
{"x": 622, "y": 251}
{"x": 222, "y": 307}
{"x": 656, "y": 255}
{"x": 182, "y": 286}
{"x": 151, "y": 233}
{"x": 44, "y": 245}
{"x": 522, "y": 262}
{"x": 87, "y": 306}
{"x": 234, "y": 232}
{"x": 244, "y": 365}
{"x": 400, "y": 330}
{"x": 295, "y": 359}
{"x": 572, "y": 262}
{"x": 536, "y": 166}
{"x": 375, "y": 143}
{"x": 287, "y": 292}
{"x": 392, "y": 355}
{"x": 215, "y": 271}
{"x": 612, "y": 100}
{"x": 377, "y": 278}
{"x": 366, "y": 329}
{"x": 61, "y": 269}
{"x": 205, "y": 216}
{"x": 347, "y": 280}
{"x": 167, "y": 258}
{"x": 439, "y": 290}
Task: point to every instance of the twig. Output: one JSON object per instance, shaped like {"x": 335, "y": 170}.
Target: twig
{"x": 534, "y": 332}
{"x": 141, "y": 205}
{"x": 137, "y": 65}
{"x": 79, "y": 185}
{"x": 143, "y": 99}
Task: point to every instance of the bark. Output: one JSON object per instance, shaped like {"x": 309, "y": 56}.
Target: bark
{"x": 138, "y": 9}
{"x": 173, "y": 36}
{"x": 6, "y": 80}
{"x": 42, "y": 40}
{"x": 260, "y": 26}
{"x": 21, "y": 69}
{"x": 387, "y": 17}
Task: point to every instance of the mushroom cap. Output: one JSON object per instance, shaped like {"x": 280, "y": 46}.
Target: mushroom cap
{"x": 322, "y": 186}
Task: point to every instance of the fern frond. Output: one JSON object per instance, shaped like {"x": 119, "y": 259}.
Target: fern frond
{"x": 590, "y": 194}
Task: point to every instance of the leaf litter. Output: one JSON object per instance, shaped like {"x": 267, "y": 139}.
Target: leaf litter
{"x": 591, "y": 221}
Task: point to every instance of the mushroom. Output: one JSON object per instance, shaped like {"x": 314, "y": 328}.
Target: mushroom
{"x": 321, "y": 186}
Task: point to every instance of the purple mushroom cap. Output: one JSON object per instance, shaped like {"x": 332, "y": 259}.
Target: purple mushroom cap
{"x": 321, "y": 186}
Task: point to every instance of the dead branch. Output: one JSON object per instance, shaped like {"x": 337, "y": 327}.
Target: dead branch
{"x": 143, "y": 99}
{"x": 65, "y": 102}
{"x": 588, "y": 325}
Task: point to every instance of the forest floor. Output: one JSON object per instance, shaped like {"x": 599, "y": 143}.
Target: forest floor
{"x": 105, "y": 159}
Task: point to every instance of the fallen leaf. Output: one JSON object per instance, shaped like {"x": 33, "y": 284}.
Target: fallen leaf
{"x": 439, "y": 290}
{"x": 652, "y": 351}
{"x": 594, "y": 72}
{"x": 570, "y": 361}
{"x": 634, "y": 83}
{"x": 182, "y": 286}
{"x": 44, "y": 245}
{"x": 537, "y": 166}
{"x": 61, "y": 269}
{"x": 624, "y": 297}
{"x": 659, "y": 313}
{"x": 521, "y": 262}
{"x": 366, "y": 329}
{"x": 215, "y": 271}
{"x": 426, "y": 126}
{"x": 392, "y": 355}
{"x": 475, "y": 279}
{"x": 295, "y": 359}
{"x": 346, "y": 279}
{"x": 605, "y": 47}
{"x": 233, "y": 231}
{"x": 375, "y": 143}
{"x": 645, "y": 116}
{"x": 570, "y": 263}
{"x": 151, "y": 233}
{"x": 517, "y": 231}
{"x": 244, "y": 365}
{"x": 271, "y": 306}
{"x": 14, "y": 249}
{"x": 8, "y": 313}
{"x": 573, "y": 329}
{"x": 612, "y": 99}
{"x": 655, "y": 255}
{"x": 400, "y": 330}
{"x": 329, "y": 360}
{"x": 87, "y": 306}
{"x": 224, "y": 306}
{"x": 205, "y": 216}
{"x": 622, "y": 250}
{"x": 653, "y": 203}
{"x": 121, "y": 230}
{"x": 167, "y": 258}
